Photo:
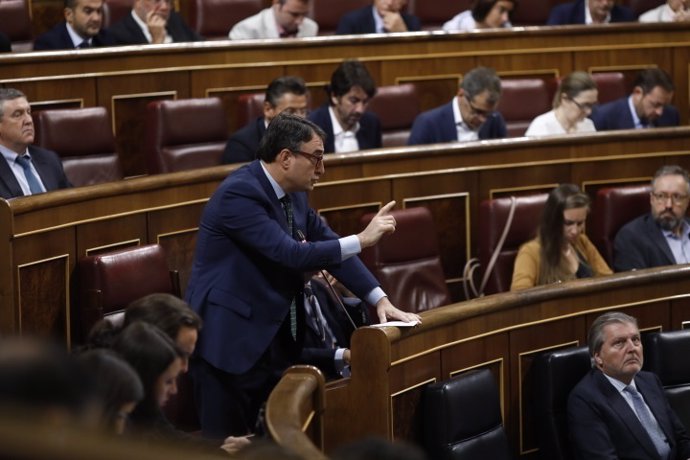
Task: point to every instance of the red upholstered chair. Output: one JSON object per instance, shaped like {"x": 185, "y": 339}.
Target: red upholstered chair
{"x": 432, "y": 14}
{"x": 614, "y": 207}
{"x": 327, "y": 13}
{"x": 522, "y": 100}
{"x": 610, "y": 85}
{"x": 493, "y": 215}
{"x": 213, "y": 19}
{"x": 83, "y": 138}
{"x": 249, "y": 107}
{"x": 15, "y": 22}
{"x": 396, "y": 106}
{"x": 114, "y": 10}
{"x": 407, "y": 262}
{"x": 185, "y": 134}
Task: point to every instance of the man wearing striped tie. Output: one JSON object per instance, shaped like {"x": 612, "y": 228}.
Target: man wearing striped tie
{"x": 26, "y": 169}
{"x": 618, "y": 411}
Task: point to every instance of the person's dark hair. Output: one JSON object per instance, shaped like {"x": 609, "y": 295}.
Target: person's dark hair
{"x": 116, "y": 382}
{"x": 374, "y": 448}
{"x": 165, "y": 311}
{"x": 650, "y": 78}
{"x": 551, "y": 238}
{"x": 350, "y": 73}
{"x": 481, "y": 8}
{"x": 481, "y": 79}
{"x": 595, "y": 336}
{"x": 8, "y": 94}
{"x": 71, "y": 4}
{"x": 286, "y": 131}
{"x": 282, "y": 85}
{"x": 671, "y": 170}
{"x": 572, "y": 85}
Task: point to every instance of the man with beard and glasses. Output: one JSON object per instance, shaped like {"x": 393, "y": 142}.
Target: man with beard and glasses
{"x": 661, "y": 237}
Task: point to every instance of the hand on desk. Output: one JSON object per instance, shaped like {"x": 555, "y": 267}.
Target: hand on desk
{"x": 386, "y": 312}
{"x": 233, "y": 444}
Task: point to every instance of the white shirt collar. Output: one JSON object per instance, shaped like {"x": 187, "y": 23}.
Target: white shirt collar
{"x": 280, "y": 193}
{"x": 636, "y": 120}
{"x": 378, "y": 20}
{"x": 588, "y": 15}
{"x": 620, "y": 386}
{"x": 75, "y": 37}
{"x": 337, "y": 128}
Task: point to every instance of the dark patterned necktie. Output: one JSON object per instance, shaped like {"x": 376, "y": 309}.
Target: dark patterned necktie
{"x": 286, "y": 203}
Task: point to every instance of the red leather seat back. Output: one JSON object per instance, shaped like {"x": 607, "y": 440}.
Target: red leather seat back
{"x": 115, "y": 10}
{"x": 522, "y": 100}
{"x": 610, "y": 85}
{"x": 15, "y": 22}
{"x": 249, "y": 107}
{"x": 396, "y": 106}
{"x": 213, "y": 19}
{"x": 432, "y": 14}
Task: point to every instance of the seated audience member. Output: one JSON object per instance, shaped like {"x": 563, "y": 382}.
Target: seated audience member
{"x": 589, "y": 12}
{"x": 561, "y": 251}
{"x": 647, "y": 106}
{"x": 471, "y": 115}
{"x": 117, "y": 386}
{"x": 152, "y": 21}
{"x": 485, "y": 14}
{"x": 576, "y": 95}
{"x": 662, "y": 236}
{"x": 283, "y": 94}
{"x": 618, "y": 410}
{"x": 671, "y": 11}
{"x": 284, "y": 19}
{"x": 82, "y": 28}
{"x": 348, "y": 126}
{"x": 25, "y": 169}
{"x": 382, "y": 17}
{"x": 5, "y": 44}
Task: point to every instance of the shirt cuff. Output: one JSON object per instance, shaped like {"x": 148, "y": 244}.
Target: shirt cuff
{"x": 374, "y": 296}
{"x": 349, "y": 246}
{"x": 340, "y": 364}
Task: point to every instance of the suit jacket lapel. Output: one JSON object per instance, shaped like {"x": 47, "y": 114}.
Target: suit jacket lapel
{"x": 656, "y": 235}
{"x": 11, "y": 187}
{"x": 657, "y": 407}
{"x": 258, "y": 173}
{"x": 448, "y": 128}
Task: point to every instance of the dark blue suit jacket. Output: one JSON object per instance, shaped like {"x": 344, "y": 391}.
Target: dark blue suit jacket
{"x": 244, "y": 143}
{"x": 603, "y": 426}
{"x": 616, "y": 115}
{"x": 574, "y": 13}
{"x": 58, "y": 38}
{"x": 247, "y": 268}
{"x": 49, "y": 168}
{"x": 5, "y": 44}
{"x": 128, "y": 32}
{"x": 641, "y": 244}
{"x": 361, "y": 21}
{"x": 438, "y": 125}
{"x": 368, "y": 136}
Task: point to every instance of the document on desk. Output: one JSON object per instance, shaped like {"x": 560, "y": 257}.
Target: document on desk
{"x": 397, "y": 324}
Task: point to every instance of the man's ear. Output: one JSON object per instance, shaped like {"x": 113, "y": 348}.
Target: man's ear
{"x": 284, "y": 158}
{"x": 69, "y": 15}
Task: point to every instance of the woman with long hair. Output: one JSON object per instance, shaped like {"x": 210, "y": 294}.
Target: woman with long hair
{"x": 561, "y": 251}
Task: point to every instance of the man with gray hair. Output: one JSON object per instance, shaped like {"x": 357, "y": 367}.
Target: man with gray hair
{"x": 661, "y": 237}
{"x": 471, "y": 115}
{"x": 24, "y": 169}
{"x": 617, "y": 410}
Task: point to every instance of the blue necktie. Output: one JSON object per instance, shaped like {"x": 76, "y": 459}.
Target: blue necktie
{"x": 286, "y": 203}
{"x": 648, "y": 422}
{"x": 34, "y": 185}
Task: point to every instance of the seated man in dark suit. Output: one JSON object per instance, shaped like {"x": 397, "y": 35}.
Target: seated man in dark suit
{"x": 152, "y": 21}
{"x": 348, "y": 126}
{"x": 82, "y": 28}
{"x": 648, "y": 106}
{"x": 5, "y": 44}
{"x": 617, "y": 410}
{"x": 382, "y": 17}
{"x": 24, "y": 168}
{"x": 661, "y": 237}
{"x": 283, "y": 94}
{"x": 471, "y": 115}
{"x": 589, "y": 12}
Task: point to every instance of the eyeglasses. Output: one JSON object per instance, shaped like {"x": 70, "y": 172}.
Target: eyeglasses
{"x": 477, "y": 111}
{"x": 316, "y": 160}
{"x": 583, "y": 105}
{"x": 676, "y": 198}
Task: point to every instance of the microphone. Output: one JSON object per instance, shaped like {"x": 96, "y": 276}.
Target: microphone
{"x": 336, "y": 296}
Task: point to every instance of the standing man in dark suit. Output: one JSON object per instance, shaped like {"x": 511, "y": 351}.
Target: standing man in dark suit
{"x": 348, "y": 126}
{"x": 647, "y": 107}
{"x": 382, "y": 17}
{"x": 589, "y": 12}
{"x": 82, "y": 28}
{"x": 152, "y": 21}
{"x": 471, "y": 115}
{"x": 661, "y": 237}
{"x": 618, "y": 411}
{"x": 24, "y": 168}
{"x": 257, "y": 239}
{"x": 284, "y": 94}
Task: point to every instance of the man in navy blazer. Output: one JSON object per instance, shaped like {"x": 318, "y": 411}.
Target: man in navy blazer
{"x": 82, "y": 28}
{"x": 257, "y": 239}
{"x": 606, "y": 418}
{"x": 647, "y": 107}
{"x": 599, "y": 12}
{"x": 16, "y": 135}
{"x": 471, "y": 115}
{"x": 661, "y": 237}
{"x": 382, "y": 17}
{"x": 348, "y": 126}
{"x": 152, "y": 21}
{"x": 287, "y": 94}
